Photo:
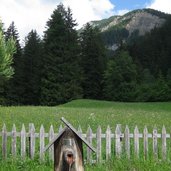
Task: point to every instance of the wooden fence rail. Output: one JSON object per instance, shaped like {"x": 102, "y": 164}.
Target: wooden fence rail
{"x": 107, "y": 144}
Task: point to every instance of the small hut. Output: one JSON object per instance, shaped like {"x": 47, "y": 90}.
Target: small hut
{"x": 68, "y": 149}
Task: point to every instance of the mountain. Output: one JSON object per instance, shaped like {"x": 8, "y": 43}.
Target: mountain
{"x": 117, "y": 29}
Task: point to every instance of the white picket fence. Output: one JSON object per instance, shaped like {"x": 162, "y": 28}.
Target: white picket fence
{"x": 116, "y": 144}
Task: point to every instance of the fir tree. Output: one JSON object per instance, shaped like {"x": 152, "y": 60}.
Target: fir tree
{"x": 92, "y": 62}
{"x": 61, "y": 71}
{"x": 32, "y": 54}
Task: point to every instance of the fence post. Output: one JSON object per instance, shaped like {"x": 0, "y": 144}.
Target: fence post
{"x": 136, "y": 142}
{"x": 23, "y": 142}
{"x": 108, "y": 143}
{"x": 80, "y": 131}
{"x": 99, "y": 144}
{"x": 127, "y": 142}
{"x": 4, "y": 142}
{"x": 145, "y": 136}
{"x": 60, "y": 128}
{"x": 51, "y": 149}
{"x": 155, "y": 148}
{"x": 13, "y": 139}
{"x": 42, "y": 143}
{"x": 32, "y": 141}
{"x": 89, "y": 139}
{"x": 118, "y": 148}
{"x": 164, "y": 145}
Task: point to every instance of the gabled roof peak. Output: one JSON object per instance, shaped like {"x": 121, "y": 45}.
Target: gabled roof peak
{"x": 69, "y": 126}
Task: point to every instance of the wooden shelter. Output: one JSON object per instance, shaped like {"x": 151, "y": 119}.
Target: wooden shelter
{"x": 68, "y": 149}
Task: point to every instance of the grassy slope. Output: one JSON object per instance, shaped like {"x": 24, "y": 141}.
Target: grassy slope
{"x": 90, "y": 112}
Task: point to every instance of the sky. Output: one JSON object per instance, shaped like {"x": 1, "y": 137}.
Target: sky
{"x": 33, "y": 14}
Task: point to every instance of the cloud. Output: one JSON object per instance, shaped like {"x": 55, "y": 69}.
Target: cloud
{"x": 122, "y": 12}
{"x": 87, "y": 10}
{"x": 33, "y": 14}
{"x": 161, "y": 5}
{"x": 27, "y": 15}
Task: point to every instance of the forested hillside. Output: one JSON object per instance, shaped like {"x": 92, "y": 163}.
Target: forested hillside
{"x": 123, "y": 58}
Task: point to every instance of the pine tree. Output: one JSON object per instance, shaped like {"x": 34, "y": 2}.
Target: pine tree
{"x": 92, "y": 62}
{"x": 32, "y": 54}
{"x": 61, "y": 71}
{"x": 14, "y": 88}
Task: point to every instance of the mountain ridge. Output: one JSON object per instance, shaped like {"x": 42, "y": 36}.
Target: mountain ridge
{"x": 117, "y": 29}
{"x": 124, "y": 19}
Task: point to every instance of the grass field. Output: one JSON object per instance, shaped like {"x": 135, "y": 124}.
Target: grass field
{"x": 89, "y": 112}
{"x": 93, "y": 113}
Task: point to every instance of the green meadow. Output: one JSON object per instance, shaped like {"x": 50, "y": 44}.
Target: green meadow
{"x": 90, "y": 113}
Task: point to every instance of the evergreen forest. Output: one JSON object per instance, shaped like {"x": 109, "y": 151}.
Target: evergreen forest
{"x": 66, "y": 64}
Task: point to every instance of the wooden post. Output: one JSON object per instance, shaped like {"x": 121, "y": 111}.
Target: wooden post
{"x": 127, "y": 142}
{"x": 14, "y": 139}
{"x": 80, "y": 131}
{"x": 42, "y": 143}
{"x": 136, "y": 142}
{"x": 89, "y": 139}
{"x": 60, "y": 128}
{"x": 51, "y": 149}
{"x": 4, "y": 142}
{"x": 32, "y": 141}
{"x": 118, "y": 147}
{"x": 155, "y": 148}
{"x": 99, "y": 144}
{"x": 145, "y": 135}
{"x": 108, "y": 143}
{"x": 23, "y": 142}
{"x": 164, "y": 145}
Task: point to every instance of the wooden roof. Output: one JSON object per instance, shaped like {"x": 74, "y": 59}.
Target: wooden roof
{"x": 68, "y": 125}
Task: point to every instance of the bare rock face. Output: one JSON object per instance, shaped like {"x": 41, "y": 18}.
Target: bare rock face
{"x": 140, "y": 20}
{"x": 144, "y": 22}
{"x": 113, "y": 23}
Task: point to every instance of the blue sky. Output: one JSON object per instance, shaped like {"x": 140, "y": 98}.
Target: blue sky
{"x": 33, "y": 14}
{"x": 130, "y": 4}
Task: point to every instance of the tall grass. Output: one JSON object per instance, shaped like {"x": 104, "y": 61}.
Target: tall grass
{"x": 90, "y": 112}
{"x": 112, "y": 165}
